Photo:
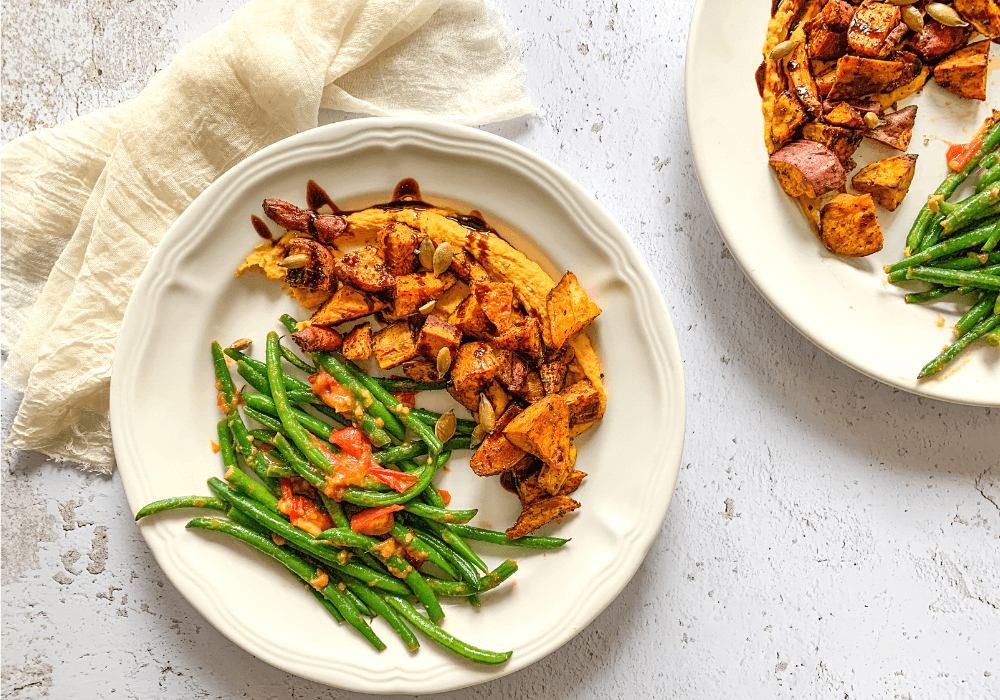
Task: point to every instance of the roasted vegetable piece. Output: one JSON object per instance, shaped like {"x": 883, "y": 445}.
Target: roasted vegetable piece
{"x": 553, "y": 370}
{"x": 421, "y": 369}
{"x": 472, "y": 369}
{"x": 358, "y": 343}
{"x": 399, "y": 244}
{"x": 887, "y": 180}
{"x": 317, "y": 272}
{"x": 801, "y": 81}
{"x": 871, "y": 30}
{"x": 897, "y": 129}
{"x": 569, "y": 309}
{"x": 364, "y": 269}
{"x": 935, "y": 40}
{"x": 470, "y": 319}
{"x": 850, "y": 227}
{"x": 827, "y": 31}
{"x": 528, "y": 489}
{"x": 964, "y": 72}
{"x": 583, "y": 401}
{"x": 543, "y": 430}
{"x": 789, "y": 114}
{"x": 524, "y": 337}
{"x": 496, "y": 299}
{"x": 346, "y": 304}
{"x": 497, "y": 454}
{"x": 413, "y": 291}
{"x": 394, "y": 345}
{"x": 888, "y": 99}
{"x": 809, "y": 168}
{"x": 329, "y": 228}
{"x": 843, "y": 142}
{"x": 467, "y": 269}
{"x": 858, "y": 76}
{"x": 984, "y": 15}
{"x": 435, "y": 335}
{"x": 540, "y": 512}
{"x": 317, "y": 339}
{"x": 845, "y": 116}
{"x": 287, "y": 215}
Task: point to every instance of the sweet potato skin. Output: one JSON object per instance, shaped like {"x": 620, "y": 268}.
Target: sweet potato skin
{"x": 897, "y": 129}
{"x": 964, "y": 71}
{"x": 809, "y": 168}
{"x": 849, "y": 226}
{"x": 886, "y": 180}
{"x": 843, "y": 142}
{"x": 935, "y": 40}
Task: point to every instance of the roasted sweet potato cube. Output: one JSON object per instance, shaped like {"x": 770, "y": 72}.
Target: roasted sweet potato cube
{"x": 871, "y": 27}
{"x": 531, "y": 389}
{"x": 318, "y": 273}
{"x": 496, "y": 300}
{"x": 511, "y": 370}
{"x": 448, "y": 302}
{"x": 887, "y": 180}
{"x": 540, "y": 512}
{"x": 358, "y": 343}
{"x": 843, "y": 142}
{"x": 583, "y": 401}
{"x": 896, "y": 130}
{"x": 936, "y": 40}
{"x": 470, "y": 319}
{"x": 964, "y": 72}
{"x": 346, "y": 304}
{"x": 436, "y": 334}
{"x": 364, "y": 269}
{"x": 497, "y": 454}
{"x": 984, "y": 15}
{"x": 525, "y": 484}
{"x": 836, "y": 15}
{"x": 569, "y": 309}
{"x": 543, "y": 430}
{"x": 467, "y": 269}
{"x": 394, "y": 345}
{"x": 844, "y": 115}
{"x": 524, "y": 337}
{"x": 849, "y": 226}
{"x": 399, "y": 244}
{"x": 801, "y": 81}
{"x": 552, "y": 479}
{"x": 317, "y": 339}
{"x": 824, "y": 82}
{"x": 788, "y": 116}
{"x": 809, "y": 168}
{"x": 496, "y": 395}
{"x": 825, "y": 43}
{"x": 553, "y": 370}
{"x": 420, "y": 369}
{"x": 858, "y": 76}
{"x": 473, "y": 367}
{"x": 413, "y": 291}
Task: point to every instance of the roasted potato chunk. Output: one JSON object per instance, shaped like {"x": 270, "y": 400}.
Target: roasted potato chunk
{"x": 413, "y": 291}
{"x": 394, "y": 345}
{"x": 364, "y": 269}
{"x": 569, "y": 309}
{"x": 827, "y": 31}
{"x": 448, "y": 302}
{"x": 807, "y": 168}
{"x": 984, "y": 15}
{"x": 467, "y": 269}
{"x": 540, "y": 512}
{"x": 552, "y": 479}
{"x": 346, "y": 304}
{"x": 843, "y": 142}
{"x": 472, "y": 369}
{"x": 801, "y": 81}
{"x": 358, "y": 343}
{"x": 964, "y": 72}
{"x": 543, "y": 430}
{"x": 528, "y": 490}
{"x": 789, "y": 115}
{"x": 858, "y": 76}
{"x": 887, "y": 180}
{"x": 436, "y": 334}
{"x": 583, "y": 401}
{"x": 896, "y": 129}
{"x": 511, "y": 370}
{"x": 524, "y": 337}
{"x": 399, "y": 244}
{"x": 870, "y": 30}
{"x": 849, "y": 226}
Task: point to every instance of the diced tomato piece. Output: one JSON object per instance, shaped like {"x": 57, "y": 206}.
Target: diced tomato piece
{"x": 301, "y": 511}
{"x": 353, "y": 441}
{"x": 334, "y": 394}
{"x": 375, "y": 521}
{"x": 407, "y": 398}
{"x": 959, "y": 153}
{"x": 397, "y": 481}
{"x": 445, "y": 496}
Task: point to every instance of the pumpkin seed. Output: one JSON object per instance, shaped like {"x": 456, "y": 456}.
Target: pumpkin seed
{"x": 427, "y": 308}
{"x": 241, "y": 344}
{"x": 871, "y": 120}
{"x": 426, "y": 254}
{"x": 945, "y": 14}
{"x": 443, "y": 361}
{"x": 913, "y": 19}
{"x": 445, "y": 426}
{"x": 783, "y": 49}
{"x": 487, "y": 419}
{"x": 293, "y": 262}
{"x": 478, "y": 434}
{"x": 442, "y": 258}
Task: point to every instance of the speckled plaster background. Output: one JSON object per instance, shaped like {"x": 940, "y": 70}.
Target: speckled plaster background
{"x": 830, "y": 537}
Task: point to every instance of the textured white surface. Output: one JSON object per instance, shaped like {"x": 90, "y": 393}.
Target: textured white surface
{"x": 829, "y": 537}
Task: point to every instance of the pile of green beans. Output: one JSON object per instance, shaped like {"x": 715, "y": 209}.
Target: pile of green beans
{"x": 354, "y": 576}
{"x": 954, "y": 248}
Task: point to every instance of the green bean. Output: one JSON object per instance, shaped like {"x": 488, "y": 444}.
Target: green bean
{"x": 464, "y": 568}
{"x": 994, "y": 238}
{"x": 952, "y": 245}
{"x": 375, "y": 499}
{"x": 493, "y": 537}
{"x": 403, "y": 384}
{"x": 409, "y": 450}
{"x": 954, "y": 278}
{"x": 439, "y": 515}
{"x": 989, "y": 177}
{"x": 262, "y": 435}
{"x": 968, "y": 261}
{"x": 464, "y": 426}
{"x": 303, "y": 541}
{"x": 297, "y": 566}
{"x": 265, "y": 404}
{"x": 296, "y": 361}
{"x": 412, "y": 539}
{"x": 330, "y": 607}
{"x": 446, "y": 640}
{"x": 936, "y": 293}
{"x": 990, "y": 160}
{"x": 486, "y": 583}
{"x": 969, "y": 208}
{"x": 181, "y": 502}
{"x": 236, "y": 477}
{"x": 457, "y": 543}
{"x": 377, "y": 603}
{"x": 952, "y": 351}
{"x": 993, "y": 337}
{"x": 268, "y": 421}
{"x": 361, "y": 394}
{"x": 259, "y": 382}
{"x": 335, "y": 511}
{"x": 978, "y": 311}
{"x": 291, "y": 383}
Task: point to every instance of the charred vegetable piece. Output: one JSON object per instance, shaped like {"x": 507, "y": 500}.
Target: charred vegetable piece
{"x": 543, "y": 430}
{"x": 569, "y": 309}
{"x": 540, "y": 512}
{"x": 887, "y": 180}
{"x": 346, "y": 304}
{"x": 473, "y": 368}
{"x": 936, "y": 40}
{"x": 317, "y": 271}
{"x": 317, "y": 339}
{"x": 364, "y": 269}
{"x": 873, "y": 29}
{"x": 858, "y": 76}
{"x": 358, "y": 343}
{"x": 808, "y": 168}
{"x": 843, "y": 142}
{"x": 897, "y": 129}
{"x": 849, "y": 226}
{"x": 984, "y": 15}
{"x": 964, "y": 71}
{"x": 394, "y": 345}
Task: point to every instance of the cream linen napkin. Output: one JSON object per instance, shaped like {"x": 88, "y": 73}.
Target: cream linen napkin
{"x": 85, "y": 204}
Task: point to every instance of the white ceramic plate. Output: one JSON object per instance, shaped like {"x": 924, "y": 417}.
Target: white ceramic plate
{"x": 163, "y": 406}
{"x": 843, "y": 305}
